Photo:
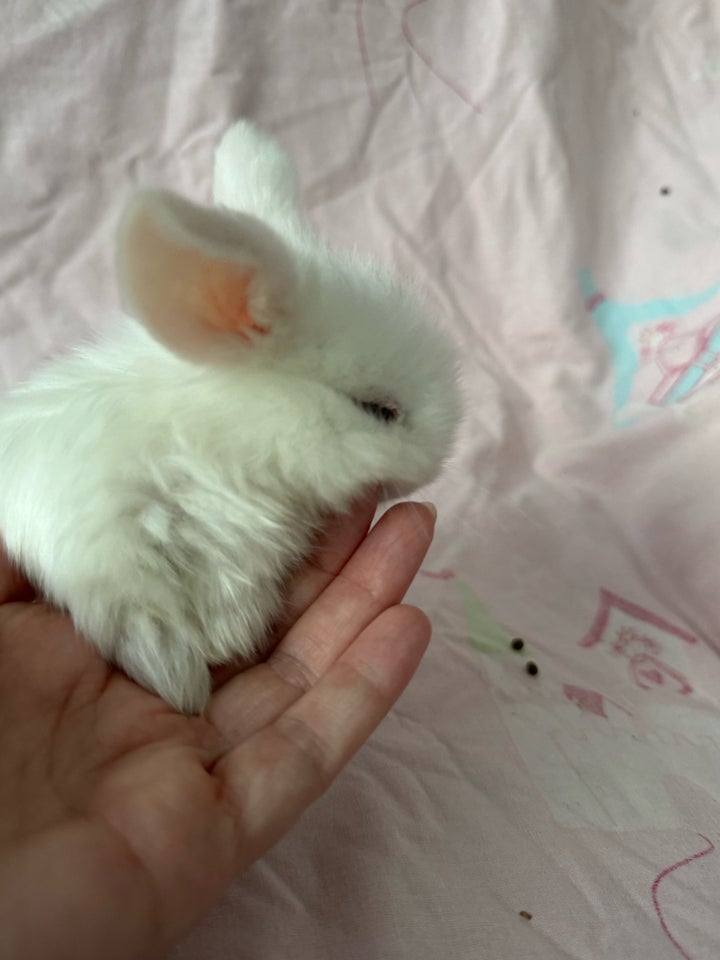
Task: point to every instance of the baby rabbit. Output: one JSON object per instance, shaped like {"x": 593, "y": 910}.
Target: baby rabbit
{"x": 161, "y": 484}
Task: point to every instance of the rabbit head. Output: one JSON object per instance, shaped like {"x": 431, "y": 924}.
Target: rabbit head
{"x": 319, "y": 348}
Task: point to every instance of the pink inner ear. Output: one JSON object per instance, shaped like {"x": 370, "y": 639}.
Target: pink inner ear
{"x": 228, "y": 306}
{"x": 183, "y": 293}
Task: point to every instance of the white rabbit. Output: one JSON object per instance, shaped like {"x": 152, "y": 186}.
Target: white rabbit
{"x": 161, "y": 484}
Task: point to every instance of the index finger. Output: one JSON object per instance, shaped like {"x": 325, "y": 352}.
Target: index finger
{"x": 374, "y": 579}
{"x": 336, "y": 544}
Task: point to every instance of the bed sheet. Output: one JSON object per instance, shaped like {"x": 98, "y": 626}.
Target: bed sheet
{"x": 548, "y": 170}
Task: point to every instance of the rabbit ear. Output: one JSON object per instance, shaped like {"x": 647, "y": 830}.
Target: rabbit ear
{"x": 200, "y": 278}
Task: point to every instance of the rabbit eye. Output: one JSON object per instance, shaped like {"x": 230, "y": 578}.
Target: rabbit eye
{"x": 381, "y": 411}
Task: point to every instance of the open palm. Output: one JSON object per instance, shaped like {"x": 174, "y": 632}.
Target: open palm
{"x": 120, "y": 819}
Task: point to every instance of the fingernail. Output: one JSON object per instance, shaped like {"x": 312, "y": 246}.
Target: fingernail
{"x": 431, "y": 507}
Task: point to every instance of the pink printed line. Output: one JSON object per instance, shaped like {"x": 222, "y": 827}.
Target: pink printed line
{"x": 659, "y": 879}
{"x": 438, "y": 575}
{"x": 595, "y": 301}
{"x": 609, "y": 600}
{"x": 364, "y": 55}
{"x": 441, "y": 75}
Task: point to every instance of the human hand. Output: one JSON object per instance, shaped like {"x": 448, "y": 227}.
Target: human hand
{"x": 121, "y": 820}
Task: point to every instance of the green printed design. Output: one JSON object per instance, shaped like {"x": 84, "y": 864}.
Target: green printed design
{"x": 484, "y": 632}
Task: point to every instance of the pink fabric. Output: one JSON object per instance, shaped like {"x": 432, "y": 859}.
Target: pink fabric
{"x": 549, "y": 173}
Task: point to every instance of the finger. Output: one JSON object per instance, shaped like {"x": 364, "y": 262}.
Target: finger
{"x": 271, "y": 778}
{"x": 376, "y": 577}
{"x": 13, "y": 585}
{"x": 339, "y": 538}
{"x": 335, "y": 546}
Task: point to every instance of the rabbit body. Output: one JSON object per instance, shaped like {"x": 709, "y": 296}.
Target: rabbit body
{"x": 161, "y": 484}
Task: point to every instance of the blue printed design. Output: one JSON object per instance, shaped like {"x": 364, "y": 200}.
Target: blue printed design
{"x": 615, "y": 322}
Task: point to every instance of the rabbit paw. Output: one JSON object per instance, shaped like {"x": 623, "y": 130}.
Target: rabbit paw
{"x": 162, "y": 653}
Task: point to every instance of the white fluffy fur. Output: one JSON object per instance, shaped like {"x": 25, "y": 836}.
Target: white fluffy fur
{"x": 162, "y": 496}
